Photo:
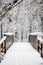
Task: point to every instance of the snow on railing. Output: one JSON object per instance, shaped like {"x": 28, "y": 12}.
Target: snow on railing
{"x": 2, "y": 48}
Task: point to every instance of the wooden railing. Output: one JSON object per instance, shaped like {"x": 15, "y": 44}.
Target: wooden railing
{"x": 3, "y": 45}
{"x": 40, "y": 44}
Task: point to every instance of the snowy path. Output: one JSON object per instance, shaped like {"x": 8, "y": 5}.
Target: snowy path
{"x": 22, "y": 54}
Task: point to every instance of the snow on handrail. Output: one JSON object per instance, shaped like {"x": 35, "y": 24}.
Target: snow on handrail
{"x": 2, "y": 40}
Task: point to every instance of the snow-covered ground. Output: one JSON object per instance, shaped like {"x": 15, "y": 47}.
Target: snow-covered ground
{"x": 22, "y": 54}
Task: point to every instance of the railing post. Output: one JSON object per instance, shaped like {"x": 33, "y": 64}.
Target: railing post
{"x": 38, "y": 45}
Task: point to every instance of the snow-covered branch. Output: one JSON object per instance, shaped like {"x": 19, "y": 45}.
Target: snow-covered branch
{"x": 8, "y": 7}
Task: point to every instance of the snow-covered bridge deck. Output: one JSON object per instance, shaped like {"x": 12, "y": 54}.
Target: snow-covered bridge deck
{"x": 22, "y": 54}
